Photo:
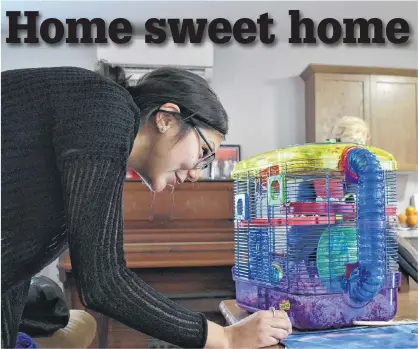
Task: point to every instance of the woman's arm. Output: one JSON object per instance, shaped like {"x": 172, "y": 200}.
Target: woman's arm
{"x": 94, "y": 123}
{"x": 218, "y": 337}
{"x": 93, "y": 127}
{"x": 93, "y": 204}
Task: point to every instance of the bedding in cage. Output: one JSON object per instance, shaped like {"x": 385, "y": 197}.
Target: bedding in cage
{"x": 315, "y": 234}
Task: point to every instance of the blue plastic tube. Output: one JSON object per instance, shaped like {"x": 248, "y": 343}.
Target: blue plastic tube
{"x": 366, "y": 281}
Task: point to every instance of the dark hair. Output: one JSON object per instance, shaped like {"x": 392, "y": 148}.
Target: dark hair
{"x": 198, "y": 103}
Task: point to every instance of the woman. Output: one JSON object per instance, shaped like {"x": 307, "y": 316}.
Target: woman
{"x": 68, "y": 136}
{"x": 347, "y": 129}
{"x": 351, "y": 129}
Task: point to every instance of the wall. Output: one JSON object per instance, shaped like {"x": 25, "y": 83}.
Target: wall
{"x": 407, "y": 184}
{"x": 258, "y": 82}
{"x": 260, "y": 86}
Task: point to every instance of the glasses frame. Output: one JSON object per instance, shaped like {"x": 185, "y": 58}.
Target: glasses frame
{"x": 206, "y": 160}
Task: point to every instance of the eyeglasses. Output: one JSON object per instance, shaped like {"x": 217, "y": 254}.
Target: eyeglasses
{"x": 207, "y": 159}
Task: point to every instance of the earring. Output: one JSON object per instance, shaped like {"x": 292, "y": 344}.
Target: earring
{"x": 163, "y": 129}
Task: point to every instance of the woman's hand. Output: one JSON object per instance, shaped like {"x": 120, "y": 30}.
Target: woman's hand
{"x": 261, "y": 329}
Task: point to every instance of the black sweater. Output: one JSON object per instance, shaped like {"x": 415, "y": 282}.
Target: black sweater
{"x": 66, "y": 137}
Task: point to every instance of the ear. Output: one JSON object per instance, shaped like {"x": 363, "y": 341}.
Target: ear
{"x": 165, "y": 121}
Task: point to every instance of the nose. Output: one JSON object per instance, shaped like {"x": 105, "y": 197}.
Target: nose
{"x": 194, "y": 174}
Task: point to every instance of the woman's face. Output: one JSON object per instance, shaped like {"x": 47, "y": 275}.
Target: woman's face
{"x": 162, "y": 159}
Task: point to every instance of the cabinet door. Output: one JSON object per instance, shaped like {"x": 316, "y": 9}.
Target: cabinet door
{"x": 394, "y": 118}
{"x": 338, "y": 95}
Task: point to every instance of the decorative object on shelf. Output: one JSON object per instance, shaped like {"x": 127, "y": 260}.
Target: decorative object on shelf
{"x": 227, "y": 156}
{"x": 409, "y": 218}
{"x": 132, "y": 175}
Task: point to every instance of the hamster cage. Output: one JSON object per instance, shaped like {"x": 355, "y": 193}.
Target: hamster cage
{"x": 315, "y": 234}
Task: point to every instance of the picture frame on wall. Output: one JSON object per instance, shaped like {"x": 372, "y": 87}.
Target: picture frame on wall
{"x": 227, "y": 156}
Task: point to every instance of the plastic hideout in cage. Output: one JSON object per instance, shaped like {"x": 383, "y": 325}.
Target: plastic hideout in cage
{"x": 315, "y": 234}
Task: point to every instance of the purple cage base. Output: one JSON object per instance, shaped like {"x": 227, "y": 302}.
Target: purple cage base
{"x": 320, "y": 311}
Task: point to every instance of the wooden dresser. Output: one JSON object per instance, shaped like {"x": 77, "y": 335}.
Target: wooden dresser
{"x": 181, "y": 243}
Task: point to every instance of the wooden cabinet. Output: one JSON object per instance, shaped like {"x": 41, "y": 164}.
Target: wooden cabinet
{"x": 180, "y": 243}
{"x": 394, "y": 121}
{"x": 387, "y": 99}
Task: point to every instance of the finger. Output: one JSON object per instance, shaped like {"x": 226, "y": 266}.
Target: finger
{"x": 280, "y": 314}
{"x": 267, "y": 342}
{"x": 284, "y": 324}
{"x": 273, "y": 337}
{"x": 276, "y": 318}
{"x": 287, "y": 318}
{"x": 278, "y": 334}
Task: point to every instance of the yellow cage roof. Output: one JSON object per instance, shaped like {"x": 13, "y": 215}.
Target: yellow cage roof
{"x": 307, "y": 156}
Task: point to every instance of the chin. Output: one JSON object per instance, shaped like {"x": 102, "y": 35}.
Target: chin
{"x": 157, "y": 185}
{"x": 158, "y": 188}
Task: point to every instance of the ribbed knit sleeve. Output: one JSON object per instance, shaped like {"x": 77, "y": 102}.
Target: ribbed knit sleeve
{"x": 93, "y": 187}
{"x": 92, "y": 115}
{"x": 94, "y": 125}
